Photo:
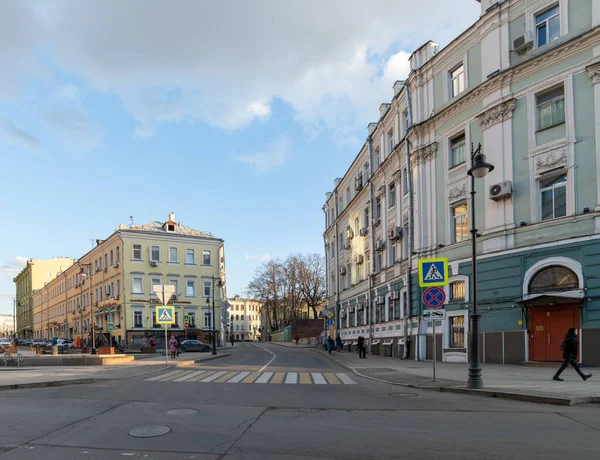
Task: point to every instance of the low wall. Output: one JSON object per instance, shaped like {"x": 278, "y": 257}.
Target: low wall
{"x": 66, "y": 360}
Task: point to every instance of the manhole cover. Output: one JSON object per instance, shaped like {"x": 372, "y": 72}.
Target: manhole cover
{"x": 182, "y": 412}
{"x": 149, "y": 431}
{"x": 404, "y": 395}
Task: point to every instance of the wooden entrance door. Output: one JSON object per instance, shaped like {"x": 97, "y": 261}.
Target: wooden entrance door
{"x": 547, "y": 326}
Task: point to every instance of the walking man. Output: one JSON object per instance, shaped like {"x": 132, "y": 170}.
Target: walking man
{"x": 338, "y": 343}
{"x": 570, "y": 345}
{"x": 362, "y": 350}
{"x": 330, "y": 344}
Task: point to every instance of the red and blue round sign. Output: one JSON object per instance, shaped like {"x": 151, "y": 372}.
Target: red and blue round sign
{"x": 434, "y": 297}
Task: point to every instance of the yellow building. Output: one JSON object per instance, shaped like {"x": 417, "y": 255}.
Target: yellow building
{"x": 113, "y": 282}
{"x": 244, "y": 318}
{"x": 33, "y": 277}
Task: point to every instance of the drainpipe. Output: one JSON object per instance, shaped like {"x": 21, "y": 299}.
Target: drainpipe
{"x": 337, "y": 251}
{"x": 124, "y": 307}
{"x": 327, "y": 268}
{"x": 410, "y": 235}
{"x": 372, "y": 236}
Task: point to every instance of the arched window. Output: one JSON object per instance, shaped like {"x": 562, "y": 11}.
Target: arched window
{"x": 553, "y": 278}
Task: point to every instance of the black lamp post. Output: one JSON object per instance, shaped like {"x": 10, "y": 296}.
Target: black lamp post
{"x": 479, "y": 169}
{"x": 15, "y": 308}
{"x": 214, "y": 337}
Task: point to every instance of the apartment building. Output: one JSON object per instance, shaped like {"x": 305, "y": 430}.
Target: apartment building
{"x": 112, "y": 283}
{"x": 33, "y": 277}
{"x": 244, "y": 318}
{"x": 524, "y": 83}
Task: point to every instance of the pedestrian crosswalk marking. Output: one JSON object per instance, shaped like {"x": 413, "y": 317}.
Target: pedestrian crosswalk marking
{"x": 433, "y": 274}
{"x": 229, "y": 376}
{"x": 318, "y": 378}
{"x": 239, "y": 377}
{"x": 265, "y": 377}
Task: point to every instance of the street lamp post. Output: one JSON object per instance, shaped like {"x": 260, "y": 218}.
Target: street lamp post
{"x": 15, "y": 305}
{"x": 214, "y": 339}
{"x": 479, "y": 169}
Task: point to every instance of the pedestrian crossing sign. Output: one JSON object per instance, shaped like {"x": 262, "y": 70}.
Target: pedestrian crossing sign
{"x": 165, "y": 314}
{"x": 433, "y": 272}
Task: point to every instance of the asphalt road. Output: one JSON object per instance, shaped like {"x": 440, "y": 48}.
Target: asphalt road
{"x": 271, "y": 402}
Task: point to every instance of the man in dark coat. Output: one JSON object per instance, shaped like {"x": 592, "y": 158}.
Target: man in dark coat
{"x": 362, "y": 351}
{"x": 570, "y": 346}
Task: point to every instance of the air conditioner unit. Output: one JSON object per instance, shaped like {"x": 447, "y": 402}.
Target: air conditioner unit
{"x": 116, "y": 265}
{"x": 379, "y": 300}
{"x": 342, "y": 271}
{"x": 363, "y": 231}
{"x": 395, "y": 233}
{"x": 394, "y": 295}
{"x": 349, "y": 234}
{"x": 342, "y": 313}
{"x": 358, "y": 182}
{"x": 379, "y": 245}
{"x": 377, "y": 222}
{"x": 520, "y": 45}
{"x": 174, "y": 297}
{"x": 359, "y": 259}
{"x": 501, "y": 190}
{"x": 153, "y": 263}
{"x": 347, "y": 245}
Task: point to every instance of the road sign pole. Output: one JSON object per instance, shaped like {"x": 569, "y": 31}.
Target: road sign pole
{"x": 434, "y": 350}
{"x": 166, "y": 341}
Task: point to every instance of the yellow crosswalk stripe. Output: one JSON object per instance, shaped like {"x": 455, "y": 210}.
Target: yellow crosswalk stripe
{"x": 331, "y": 378}
{"x": 173, "y": 377}
{"x": 201, "y": 376}
{"x": 278, "y": 377}
{"x": 304, "y": 378}
{"x": 226, "y": 377}
{"x": 251, "y": 378}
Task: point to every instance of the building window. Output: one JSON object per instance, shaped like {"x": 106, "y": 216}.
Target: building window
{"x": 111, "y": 257}
{"x": 138, "y": 318}
{"x": 356, "y": 226}
{"x": 547, "y": 26}
{"x": 154, "y": 319}
{"x": 392, "y": 195}
{"x": 206, "y": 258}
{"x": 190, "y": 257}
{"x": 366, "y": 218}
{"x": 191, "y": 319}
{"x": 393, "y": 256}
{"x": 207, "y": 287}
{"x": 118, "y": 287}
{"x": 348, "y": 195}
{"x": 118, "y": 254}
{"x": 404, "y": 181}
{"x": 390, "y": 141}
{"x": 154, "y": 282}
{"x": 459, "y": 223}
{"x": 457, "y": 150}
{"x": 378, "y": 208}
{"x": 137, "y": 252}
{"x": 457, "y": 331}
{"x": 137, "y": 285}
{"x": 190, "y": 288}
{"x": 376, "y": 159}
{"x": 348, "y": 275}
{"x": 155, "y": 253}
{"x": 555, "y": 278}
{"x": 175, "y": 283}
{"x": 207, "y": 320}
{"x": 553, "y": 193}
{"x": 378, "y": 261}
{"x": 457, "y": 291}
{"x": 457, "y": 80}
{"x": 173, "y": 256}
{"x": 550, "y": 107}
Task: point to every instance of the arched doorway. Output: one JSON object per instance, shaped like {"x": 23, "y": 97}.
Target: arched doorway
{"x": 553, "y": 307}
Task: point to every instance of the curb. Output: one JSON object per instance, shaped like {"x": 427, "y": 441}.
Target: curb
{"x": 309, "y": 347}
{"x": 556, "y": 400}
{"x": 53, "y": 383}
{"x": 200, "y": 361}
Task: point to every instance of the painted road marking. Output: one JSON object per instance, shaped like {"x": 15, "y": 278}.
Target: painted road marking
{"x": 345, "y": 379}
{"x": 304, "y": 378}
{"x": 238, "y": 377}
{"x": 265, "y": 377}
{"x": 200, "y": 377}
{"x": 251, "y": 378}
{"x": 189, "y": 376}
{"x": 215, "y": 376}
{"x": 292, "y": 377}
{"x": 331, "y": 378}
{"x": 152, "y": 379}
{"x": 171, "y": 377}
{"x": 278, "y": 378}
{"x": 318, "y": 378}
{"x": 226, "y": 377}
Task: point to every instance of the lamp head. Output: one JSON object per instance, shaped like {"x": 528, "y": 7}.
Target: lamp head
{"x": 480, "y": 168}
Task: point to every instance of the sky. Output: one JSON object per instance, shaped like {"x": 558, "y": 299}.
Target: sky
{"x": 236, "y": 116}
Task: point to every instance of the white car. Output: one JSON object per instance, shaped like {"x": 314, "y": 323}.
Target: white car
{"x": 5, "y": 343}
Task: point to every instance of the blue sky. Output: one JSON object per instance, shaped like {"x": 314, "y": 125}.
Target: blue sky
{"x": 238, "y": 120}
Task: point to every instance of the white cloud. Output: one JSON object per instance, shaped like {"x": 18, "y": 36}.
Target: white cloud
{"x": 196, "y": 61}
{"x": 273, "y": 157}
{"x": 18, "y": 135}
{"x": 13, "y": 267}
{"x": 259, "y": 258}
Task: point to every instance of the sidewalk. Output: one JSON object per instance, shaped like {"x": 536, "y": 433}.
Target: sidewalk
{"x": 292, "y": 344}
{"x": 506, "y": 381}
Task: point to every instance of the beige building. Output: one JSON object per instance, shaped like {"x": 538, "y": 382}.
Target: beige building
{"x": 34, "y": 276}
{"x": 244, "y": 318}
{"x": 111, "y": 285}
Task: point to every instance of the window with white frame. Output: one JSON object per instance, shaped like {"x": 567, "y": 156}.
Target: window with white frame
{"x": 457, "y": 80}
{"x": 137, "y": 252}
{"x": 154, "y": 281}
{"x": 457, "y": 150}
{"x": 118, "y": 287}
{"x": 547, "y": 26}
{"x": 190, "y": 288}
{"x": 550, "y": 108}
{"x": 190, "y": 257}
{"x": 155, "y": 253}
{"x": 207, "y": 320}
{"x": 138, "y": 318}
{"x": 378, "y": 207}
{"x": 356, "y": 226}
{"x": 137, "y": 285}
{"x": 378, "y": 261}
{"x": 392, "y": 195}
{"x": 376, "y": 159}
{"x": 118, "y": 257}
{"x": 174, "y": 282}
{"x": 207, "y": 288}
{"x": 553, "y": 197}
{"x": 348, "y": 276}
{"x": 404, "y": 181}
{"x": 348, "y": 195}
{"x": 173, "y": 255}
{"x": 457, "y": 331}
{"x": 393, "y": 255}
{"x": 366, "y": 171}
{"x": 366, "y": 217}
{"x": 460, "y": 232}
{"x": 206, "y": 259}
{"x": 390, "y": 140}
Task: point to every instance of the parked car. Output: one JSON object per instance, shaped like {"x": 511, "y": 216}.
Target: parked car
{"x": 38, "y": 343}
{"x": 62, "y": 344}
{"x": 5, "y": 344}
{"x": 194, "y": 345}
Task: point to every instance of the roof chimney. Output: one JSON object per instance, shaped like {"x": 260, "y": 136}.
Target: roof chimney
{"x": 171, "y": 217}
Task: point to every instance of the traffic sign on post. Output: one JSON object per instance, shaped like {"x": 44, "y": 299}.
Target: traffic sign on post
{"x": 164, "y": 292}
{"x": 186, "y": 324}
{"x": 433, "y": 272}
{"x": 434, "y": 297}
{"x": 165, "y": 314}
{"x": 111, "y": 326}
{"x": 329, "y": 315}
{"x": 437, "y": 315}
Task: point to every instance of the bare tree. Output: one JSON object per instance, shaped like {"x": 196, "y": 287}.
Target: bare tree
{"x": 312, "y": 280}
